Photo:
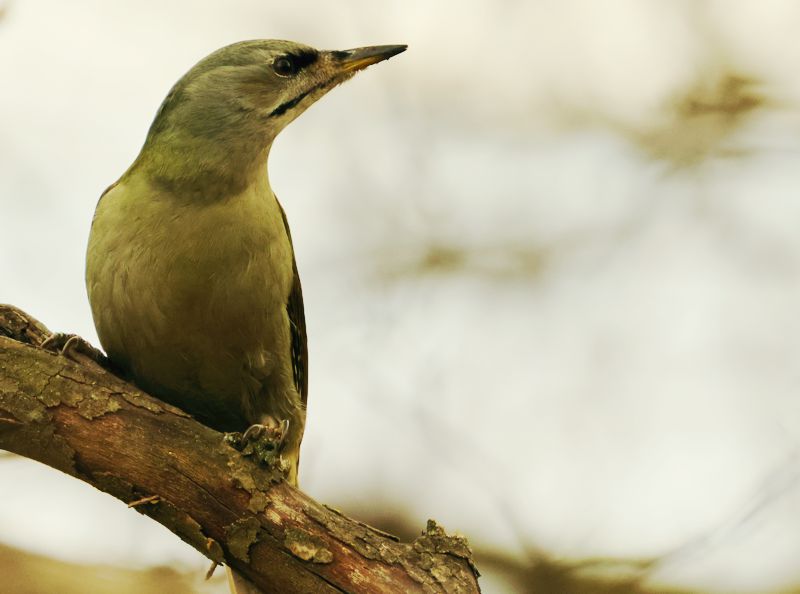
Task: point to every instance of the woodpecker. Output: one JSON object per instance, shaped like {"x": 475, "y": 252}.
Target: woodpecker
{"x": 190, "y": 268}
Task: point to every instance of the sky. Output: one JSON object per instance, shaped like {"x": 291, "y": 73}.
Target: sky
{"x": 549, "y": 255}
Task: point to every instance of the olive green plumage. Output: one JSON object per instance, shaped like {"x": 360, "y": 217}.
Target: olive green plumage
{"x": 190, "y": 268}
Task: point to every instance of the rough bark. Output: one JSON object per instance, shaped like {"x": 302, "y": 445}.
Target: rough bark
{"x": 72, "y": 414}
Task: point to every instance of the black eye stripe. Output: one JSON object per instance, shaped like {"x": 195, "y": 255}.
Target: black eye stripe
{"x": 304, "y": 58}
{"x": 291, "y": 64}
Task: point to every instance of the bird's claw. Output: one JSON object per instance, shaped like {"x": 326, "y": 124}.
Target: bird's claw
{"x": 262, "y": 441}
{"x": 73, "y": 346}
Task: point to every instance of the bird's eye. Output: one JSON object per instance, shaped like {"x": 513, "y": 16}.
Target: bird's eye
{"x": 284, "y": 66}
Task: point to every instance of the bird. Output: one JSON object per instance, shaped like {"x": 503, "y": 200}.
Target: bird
{"x": 190, "y": 267}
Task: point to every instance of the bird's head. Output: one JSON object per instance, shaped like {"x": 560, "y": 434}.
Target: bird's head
{"x": 232, "y": 104}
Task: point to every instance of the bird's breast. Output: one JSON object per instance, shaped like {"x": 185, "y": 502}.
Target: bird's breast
{"x": 189, "y": 297}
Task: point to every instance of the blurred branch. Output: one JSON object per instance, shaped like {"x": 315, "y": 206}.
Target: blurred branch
{"x": 72, "y": 414}
{"x": 25, "y": 572}
{"x": 541, "y": 573}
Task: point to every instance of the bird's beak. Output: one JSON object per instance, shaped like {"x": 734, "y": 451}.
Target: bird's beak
{"x": 350, "y": 61}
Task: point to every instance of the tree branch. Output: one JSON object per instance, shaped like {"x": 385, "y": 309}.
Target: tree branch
{"x": 72, "y": 414}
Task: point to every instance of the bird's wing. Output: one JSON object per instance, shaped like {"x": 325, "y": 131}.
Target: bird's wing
{"x": 297, "y": 325}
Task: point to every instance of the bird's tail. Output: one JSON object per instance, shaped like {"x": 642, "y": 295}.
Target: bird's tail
{"x": 239, "y": 585}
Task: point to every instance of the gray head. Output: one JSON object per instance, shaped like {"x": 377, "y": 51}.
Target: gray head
{"x": 221, "y": 117}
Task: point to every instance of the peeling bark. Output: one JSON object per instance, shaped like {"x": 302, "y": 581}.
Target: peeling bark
{"x": 72, "y": 414}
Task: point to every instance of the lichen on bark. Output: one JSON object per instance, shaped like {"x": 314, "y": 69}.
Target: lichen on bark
{"x": 241, "y": 535}
{"x": 306, "y": 546}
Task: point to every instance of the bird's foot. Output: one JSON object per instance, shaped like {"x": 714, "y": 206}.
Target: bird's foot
{"x": 263, "y": 441}
{"x": 73, "y": 347}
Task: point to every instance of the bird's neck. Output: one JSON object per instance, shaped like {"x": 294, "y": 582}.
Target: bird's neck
{"x": 202, "y": 169}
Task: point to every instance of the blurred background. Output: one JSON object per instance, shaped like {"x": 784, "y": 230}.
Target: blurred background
{"x": 551, "y": 263}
